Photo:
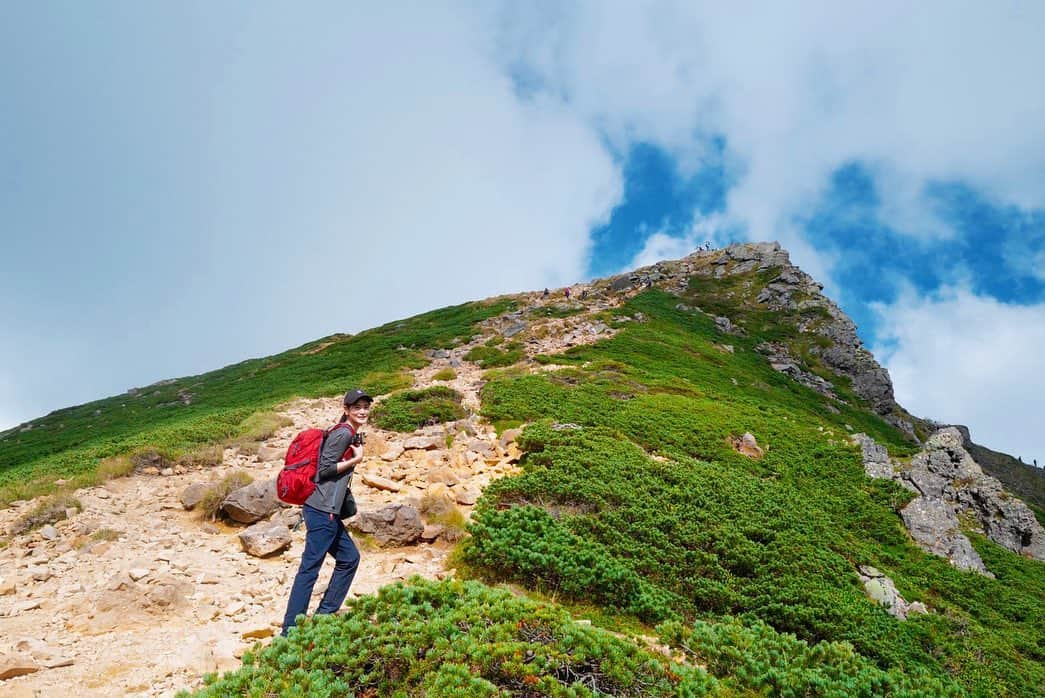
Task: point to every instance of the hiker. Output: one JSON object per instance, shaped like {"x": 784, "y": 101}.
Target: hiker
{"x": 567, "y": 292}
{"x": 323, "y": 512}
{"x": 584, "y": 294}
{"x": 545, "y": 292}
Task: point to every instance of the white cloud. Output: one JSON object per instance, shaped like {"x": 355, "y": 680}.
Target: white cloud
{"x": 343, "y": 167}
{"x": 962, "y": 358}
{"x": 931, "y": 91}
{"x": 660, "y": 246}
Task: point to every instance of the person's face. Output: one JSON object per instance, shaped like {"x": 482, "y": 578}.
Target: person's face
{"x": 358, "y": 412}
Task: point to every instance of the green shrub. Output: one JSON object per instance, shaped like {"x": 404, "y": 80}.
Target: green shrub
{"x": 203, "y": 456}
{"x": 701, "y": 532}
{"x": 445, "y": 374}
{"x": 106, "y": 534}
{"x": 753, "y": 656}
{"x": 412, "y": 409}
{"x": 114, "y": 467}
{"x": 492, "y": 357}
{"x": 454, "y": 639}
{"x": 261, "y": 425}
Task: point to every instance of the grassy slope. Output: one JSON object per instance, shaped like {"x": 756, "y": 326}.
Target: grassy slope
{"x": 70, "y": 442}
{"x": 709, "y": 533}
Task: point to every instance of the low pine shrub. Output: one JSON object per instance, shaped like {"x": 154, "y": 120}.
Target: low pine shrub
{"x": 445, "y": 374}
{"x": 454, "y": 639}
{"x": 411, "y": 409}
{"x": 492, "y": 357}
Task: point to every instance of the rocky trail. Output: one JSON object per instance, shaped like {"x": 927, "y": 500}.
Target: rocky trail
{"x": 136, "y": 596}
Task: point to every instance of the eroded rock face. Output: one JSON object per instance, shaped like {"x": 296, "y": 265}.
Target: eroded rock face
{"x": 949, "y": 484}
{"x": 934, "y": 526}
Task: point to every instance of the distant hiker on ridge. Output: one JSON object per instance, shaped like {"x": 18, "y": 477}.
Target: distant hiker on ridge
{"x": 567, "y": 292}
{"x": 324, "y": 510}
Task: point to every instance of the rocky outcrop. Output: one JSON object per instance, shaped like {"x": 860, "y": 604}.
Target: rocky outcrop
{"x": 949, "y": 485}
{"x": 934, "y": 526}
{"x": 791, "y": 291}
{"x": 945, "y": 469}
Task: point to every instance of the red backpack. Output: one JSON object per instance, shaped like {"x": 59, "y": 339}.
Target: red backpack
{"x": 297, "y": 480}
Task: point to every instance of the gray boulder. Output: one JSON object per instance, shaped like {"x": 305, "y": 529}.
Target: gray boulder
{"x": 395, "y": 525}
{"x": 252, "y": 503}
{"x": 192, "y": 495}
{"x": 265, "y": 538}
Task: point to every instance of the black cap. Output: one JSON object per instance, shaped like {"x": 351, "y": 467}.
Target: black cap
{"x": 355, "y": 395}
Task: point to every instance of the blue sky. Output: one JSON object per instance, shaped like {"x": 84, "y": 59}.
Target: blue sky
{"x": 162, "y": 167}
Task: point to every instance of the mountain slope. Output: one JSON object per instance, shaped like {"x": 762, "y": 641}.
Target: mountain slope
{"x": 635, "y": 505}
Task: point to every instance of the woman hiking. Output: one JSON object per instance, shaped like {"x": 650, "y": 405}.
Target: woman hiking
{"x": 323, "y": 511}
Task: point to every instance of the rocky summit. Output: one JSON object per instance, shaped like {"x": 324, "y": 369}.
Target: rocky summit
{"x": 690, "y": 479}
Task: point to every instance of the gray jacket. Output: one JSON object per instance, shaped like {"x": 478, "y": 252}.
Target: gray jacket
{"x": 330, "y": 486}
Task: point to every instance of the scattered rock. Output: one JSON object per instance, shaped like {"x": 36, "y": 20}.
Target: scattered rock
{"x": 252, "y": 503}
{"x": 875, "y": 457}
{"x": 265, "y": 538}
{"x": 12, "y": 665}
{"x": 465, "y": 497}
{"x": 192, "y": 495}
{"x": 748, "y": 446}
{"x": 423, "y": 443}
{"x": 268, "y": 453}
{"x": 24, "y": 606}
{"x": 259, "y": 633}
{"x": 380, "y": 483}
{"x": 431, "y": 532}
{"x": 393, "y": 451}
{"x": 444, "y": 475}
{"x": 399, "y": 524}
{"x": 40, "y": 573}
{"x": 509, "y": 436}
{"x": 49, "y": 532}
{"x": 483, "y": 448}
{"x": 138, "y": 573}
